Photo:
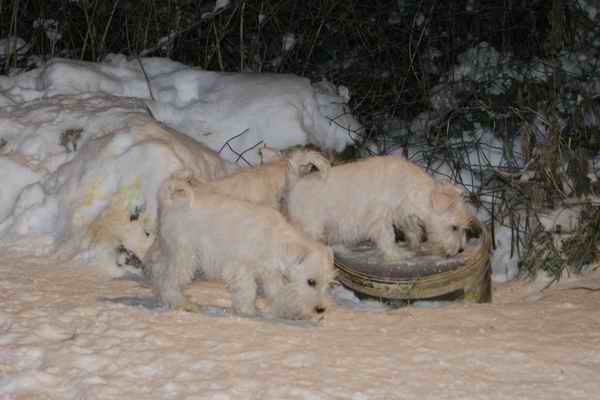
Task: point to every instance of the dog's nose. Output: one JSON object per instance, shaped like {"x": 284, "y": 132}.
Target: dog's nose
{"x": 460, "y": 250}
{"x": 319, "y": 309}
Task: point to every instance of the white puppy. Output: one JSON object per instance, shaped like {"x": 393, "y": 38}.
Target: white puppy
{"x": 252, "y": 248}
{"x": 265, "y": 184}
{"x": 366, "y": 199}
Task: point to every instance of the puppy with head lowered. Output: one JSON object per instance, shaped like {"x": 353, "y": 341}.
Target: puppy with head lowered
{"x": 367, "y": 198}
{"x": 252, "y": 248}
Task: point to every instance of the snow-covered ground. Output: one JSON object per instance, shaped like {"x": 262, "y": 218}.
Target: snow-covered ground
{"x": 67, "y": 332}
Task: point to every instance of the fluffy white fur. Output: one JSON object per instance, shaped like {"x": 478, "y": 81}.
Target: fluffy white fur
{"x": 252, "y": 248}
{"x": 265, "y": 184}
{"x": 366, "y": 199}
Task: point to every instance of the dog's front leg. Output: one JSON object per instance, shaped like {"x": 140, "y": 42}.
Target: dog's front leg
{"x": 381, "y": 232}
{"x": 413, "y": 229}
{"x": 172, "y": 269}
{"x": 242, "y": 284}
{"x": 271, "y": 284}
{"x": 164, "y": 280}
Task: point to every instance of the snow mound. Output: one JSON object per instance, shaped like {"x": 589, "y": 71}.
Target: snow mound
{"x": 80, "y": 176}
{"x": 236, "y": 112}
{"x": 230, "y": 112}
{"x": 505, "y": 257}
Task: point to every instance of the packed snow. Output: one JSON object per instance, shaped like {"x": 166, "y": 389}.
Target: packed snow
{"x": 67, "y": 332}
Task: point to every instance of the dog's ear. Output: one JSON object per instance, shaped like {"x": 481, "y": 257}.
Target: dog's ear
{"x": 303, "y": 162}
{"x": 444, "y": 197}
{"x": 295, "y": 254}
{"x": 268, "y": 154}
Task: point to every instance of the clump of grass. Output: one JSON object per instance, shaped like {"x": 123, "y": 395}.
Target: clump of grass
{"x": 558, "y": 253}
{"x": 581, "y": 249}
{"x": 543, "y": 255}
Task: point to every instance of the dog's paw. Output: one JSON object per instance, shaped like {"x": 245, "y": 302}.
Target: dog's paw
{"x": 244, "y": 310}
{"x": 189, "y": 306}
{"x": 397, "y": 254}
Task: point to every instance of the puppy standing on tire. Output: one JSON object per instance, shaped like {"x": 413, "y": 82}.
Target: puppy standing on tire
{"x": 367, "y": 198}
{"x": 252, "y": 248}
{"x": 265, "y": 184}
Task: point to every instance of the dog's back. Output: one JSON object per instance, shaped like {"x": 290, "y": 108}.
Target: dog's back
{"x": 223, "y": 228}
{"x": 364, "y": 199}
{"x": 351, "y": 192}
{"x": 265, "y": 184}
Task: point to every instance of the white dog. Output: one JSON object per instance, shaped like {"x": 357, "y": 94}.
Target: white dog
{"x": 366, "y": 199}
{"x": 265, "y": 184}
{"x": 252, "y": 248}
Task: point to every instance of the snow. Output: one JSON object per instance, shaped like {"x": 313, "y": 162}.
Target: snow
{"x": 76, "y": 199}
{"x": 505, "y": 258}
{"x": 13, "y": 44}
{"x": 68, "y": 332}
{"x": 289, "y": 41}
{"x": 588, "y": 7}
{"x": 494, "y": 71}
{"x": 50, "y": 28}
{"x": 278, "y": 110}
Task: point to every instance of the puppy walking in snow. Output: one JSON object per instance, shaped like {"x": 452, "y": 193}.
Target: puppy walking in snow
{"x": 252, "y": 248}
{"x": 366, "y": 199}
{"x": 265, "y": 184}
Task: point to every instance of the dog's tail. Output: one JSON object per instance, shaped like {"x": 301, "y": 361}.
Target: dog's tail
{"x": 301, "y": 163}
{"x": 175, "y": 188}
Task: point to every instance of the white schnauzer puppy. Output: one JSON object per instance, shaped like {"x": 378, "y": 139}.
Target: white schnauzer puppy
{"x": 252, "y": 248}
{"x": 366, "y": 199}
